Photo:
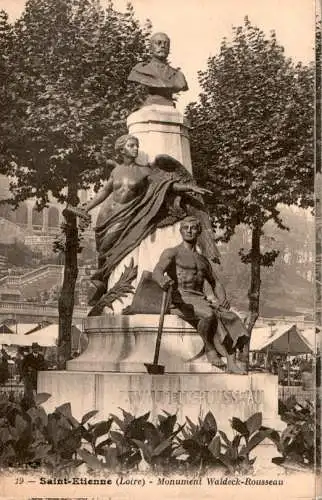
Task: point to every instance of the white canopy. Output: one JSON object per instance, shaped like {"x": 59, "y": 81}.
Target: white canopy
{"x": 49, "y": 331}
{"x": 18, "y": 328}
{"x": 23, "y": 328}
{"x": 311, "y": 338}
{"x": 25, "y": 340}
{"x": 281, "y": 339}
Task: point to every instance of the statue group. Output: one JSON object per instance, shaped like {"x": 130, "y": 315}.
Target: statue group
{"x": 138, "y": 201}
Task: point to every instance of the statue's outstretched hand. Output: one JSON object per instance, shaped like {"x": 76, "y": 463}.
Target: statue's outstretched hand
{"x": 81, "y": 213}
{"x": 200, "y": 190}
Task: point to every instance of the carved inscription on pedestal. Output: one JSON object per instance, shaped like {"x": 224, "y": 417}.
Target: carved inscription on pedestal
{"x": 224, "y": 397}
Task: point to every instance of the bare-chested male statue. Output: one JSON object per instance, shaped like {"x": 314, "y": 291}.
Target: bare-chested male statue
{"x": 161, "y": 80}
{"x": 187, "y": 270}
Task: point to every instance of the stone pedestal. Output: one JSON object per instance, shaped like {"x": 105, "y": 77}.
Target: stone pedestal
{"x": 161, "y": 130}
{"x": 111, "y": 374}
{"x": 124, "y": 343}
{"x": 192, "y": 394}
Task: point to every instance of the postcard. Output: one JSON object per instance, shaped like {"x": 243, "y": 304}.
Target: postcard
{"x": 160, "y": 249}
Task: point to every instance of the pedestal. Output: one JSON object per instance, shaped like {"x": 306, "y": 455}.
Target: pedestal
{"x": 191, "y": 395}
{"x": 161, "y": 130}
{"x": 111, "y": 374}
{"x": 119, "y": 343}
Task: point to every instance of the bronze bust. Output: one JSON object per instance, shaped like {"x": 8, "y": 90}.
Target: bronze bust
{"x": 161, "y": 80}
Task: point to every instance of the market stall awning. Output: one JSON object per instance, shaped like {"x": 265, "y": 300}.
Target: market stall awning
{"x": 49, "y": 336}
{"x": 281, "y": 340}
{"x": 259, "y": 337}
{"x": 46, "y": 336}
{"x": 310, "y": 336}
{"x": 25, "y": 340}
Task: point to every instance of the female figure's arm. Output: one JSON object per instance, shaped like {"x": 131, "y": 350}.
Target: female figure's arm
{"x": 177, "y": 187}
{"x": 100, "y": 196}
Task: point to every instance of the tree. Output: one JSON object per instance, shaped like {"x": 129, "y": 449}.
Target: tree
{"x": 292, "y": 270}
{"x": 6, "y": 92}
{"x": 252, "y": 140}
{"x": 71, "y": 62}
{"x": 17, "y": 253}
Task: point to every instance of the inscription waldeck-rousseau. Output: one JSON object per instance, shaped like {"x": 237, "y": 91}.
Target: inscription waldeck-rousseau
{"x": 194, "y": 397}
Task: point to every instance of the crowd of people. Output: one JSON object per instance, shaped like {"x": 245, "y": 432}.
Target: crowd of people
{"x": 294, "y": 371}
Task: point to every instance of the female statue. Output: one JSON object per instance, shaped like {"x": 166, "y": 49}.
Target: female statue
{"x": 135, "y": 201}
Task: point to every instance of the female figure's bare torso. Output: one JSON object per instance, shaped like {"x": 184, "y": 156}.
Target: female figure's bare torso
{"x": 129, "y": 182}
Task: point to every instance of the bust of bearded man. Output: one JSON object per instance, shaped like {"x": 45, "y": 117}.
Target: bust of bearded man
{"x": 161, "y": 80}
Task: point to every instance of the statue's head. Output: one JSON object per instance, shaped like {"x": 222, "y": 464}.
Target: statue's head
{"x": 127, "y": 144}
{"x": 190, "y": 228}
{"x": 160, "y": 46}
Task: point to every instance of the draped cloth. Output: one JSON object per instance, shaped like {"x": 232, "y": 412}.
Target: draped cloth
{"x": 191, "y": 305}
{"x": 126, "y": 225}
{"x": 122, "y": 228}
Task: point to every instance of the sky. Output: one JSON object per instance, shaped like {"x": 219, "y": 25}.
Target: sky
{"x": 197, "y": 27}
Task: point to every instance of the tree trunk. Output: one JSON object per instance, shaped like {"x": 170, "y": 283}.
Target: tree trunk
{"x": 66, "y": 298}
{"x": 254, "y": 289}
{"x": 255, "y": 279}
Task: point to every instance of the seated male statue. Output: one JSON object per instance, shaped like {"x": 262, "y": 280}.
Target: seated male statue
{"x": 187, "y": 271}
{"x": 161, "y": 80}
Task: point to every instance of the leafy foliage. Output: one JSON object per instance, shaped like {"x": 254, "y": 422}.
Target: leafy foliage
{"x": 30, "y": 437}
{"x": 297, "y": 441}
{"x": 252, "y": 139}
{"x": 58, "y": 443}
{"x": 252, "y": 130}
{"x": 207, "y": 448}
{"x": 138, "y": 444}
{"x": 200, "y": 444}
{"x": 167, "y": 447}
{"x": 65, "y": 65}
{"x": 122, "y": 288}
{"x": 7, "y": 94}
{"x": 70, "y": 76}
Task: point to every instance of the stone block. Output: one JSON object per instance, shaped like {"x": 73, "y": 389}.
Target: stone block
{"x": 161, "y": 130}
{"x": 192, "y": 395}
{"x": 120, "y": 343}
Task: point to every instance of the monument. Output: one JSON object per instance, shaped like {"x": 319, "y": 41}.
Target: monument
{"x": 153, "y": 230}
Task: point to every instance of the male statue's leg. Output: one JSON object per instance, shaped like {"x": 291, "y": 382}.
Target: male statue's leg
{"x": 232, "y": 366}
{"x": 206, "y": 328}
{"x": 202, "y": 317}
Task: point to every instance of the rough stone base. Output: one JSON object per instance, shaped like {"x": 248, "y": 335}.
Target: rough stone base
{"x": 192, "y": 395}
